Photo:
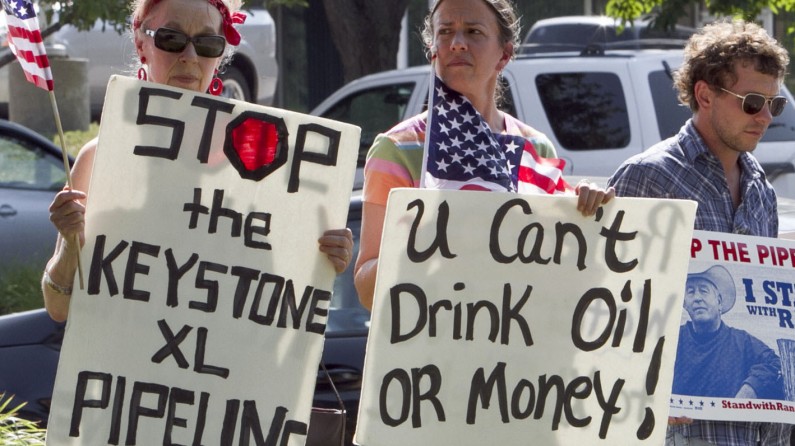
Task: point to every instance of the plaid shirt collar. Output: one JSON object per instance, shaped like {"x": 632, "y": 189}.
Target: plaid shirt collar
{"x": 696, "y": 151}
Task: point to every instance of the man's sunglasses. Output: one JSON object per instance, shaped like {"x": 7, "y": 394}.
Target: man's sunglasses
{"x": 173, "y": 41}
{"x": 753, "y": 103}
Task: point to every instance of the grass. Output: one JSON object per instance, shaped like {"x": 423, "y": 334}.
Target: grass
{"x": 16, "y": 431}
{"x": 20, "y": 290}
{"x": 75, "y": 139}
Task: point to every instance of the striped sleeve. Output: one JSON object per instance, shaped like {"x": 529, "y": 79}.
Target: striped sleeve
{"x": 394, "y": 160}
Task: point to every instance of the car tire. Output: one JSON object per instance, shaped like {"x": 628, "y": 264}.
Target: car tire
{"x": 235, "y": 85}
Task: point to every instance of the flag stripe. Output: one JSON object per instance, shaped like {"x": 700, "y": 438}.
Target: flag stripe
{"x": 546, "y": 173}
{"x": 548, "y": 185}
{"x": 40, "y": 82}
{"x": 32, "y": 59}
{"x": 18, "y": 29}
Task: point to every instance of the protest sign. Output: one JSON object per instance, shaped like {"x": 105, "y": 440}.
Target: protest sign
{"x": 206, "y": 299}
{"x": 506, "y": 319}
{"x": 755, "y": 344}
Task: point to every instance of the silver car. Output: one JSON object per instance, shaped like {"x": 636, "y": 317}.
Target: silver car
{"x": 31, "y": 172}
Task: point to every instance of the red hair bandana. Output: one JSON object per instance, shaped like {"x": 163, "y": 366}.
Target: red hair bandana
{"x": 228, "y": 20}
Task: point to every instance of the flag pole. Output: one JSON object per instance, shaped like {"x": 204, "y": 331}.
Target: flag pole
{"x": 68, "y": 170}
{"x": 426, "y": 143}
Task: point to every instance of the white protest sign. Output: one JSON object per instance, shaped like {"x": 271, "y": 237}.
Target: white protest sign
{"x": 503, "y": 319}
{"x": 755, "y": 344}
{"x": 206, "y": 296}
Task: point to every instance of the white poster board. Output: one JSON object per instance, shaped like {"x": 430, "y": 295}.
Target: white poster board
{"x": 507, "y": 319}
{"x": 206, "y": 296}
{"x": 757, "y": 340}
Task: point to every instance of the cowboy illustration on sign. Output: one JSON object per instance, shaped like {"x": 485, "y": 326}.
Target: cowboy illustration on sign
{"x": 735, "y": 357}
{"x": 715, "y": 359}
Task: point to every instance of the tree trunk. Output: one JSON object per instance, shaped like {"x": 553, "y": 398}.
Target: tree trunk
{"x": 366, "y": 34}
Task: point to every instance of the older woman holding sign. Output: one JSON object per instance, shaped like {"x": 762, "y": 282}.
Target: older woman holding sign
{"x": 180, "y": 43}
{"x": 470, "y": 42}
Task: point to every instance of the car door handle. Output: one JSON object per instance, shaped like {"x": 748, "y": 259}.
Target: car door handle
{"x": 7, "y": 211}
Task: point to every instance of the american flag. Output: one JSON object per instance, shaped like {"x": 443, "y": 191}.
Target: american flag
{"x": 24, "y": 39}
{"x": 462, "y": 152}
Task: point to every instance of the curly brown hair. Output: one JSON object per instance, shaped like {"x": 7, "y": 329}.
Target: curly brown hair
{"x": 711, "y": 54}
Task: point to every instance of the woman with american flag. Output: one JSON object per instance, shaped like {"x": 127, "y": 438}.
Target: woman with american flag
{"x": 180, "y": 43}
{"x": 463, "y": 141}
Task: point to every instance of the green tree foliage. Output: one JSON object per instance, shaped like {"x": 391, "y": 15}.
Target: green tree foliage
{"x": 666, "y": 12}
{"x": 83, "y": 13}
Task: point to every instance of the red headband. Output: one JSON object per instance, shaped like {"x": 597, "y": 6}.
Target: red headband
{"x": 229, "y": 20}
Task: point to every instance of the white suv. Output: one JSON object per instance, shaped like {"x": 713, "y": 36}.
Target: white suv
{"x": 598, "y": 107}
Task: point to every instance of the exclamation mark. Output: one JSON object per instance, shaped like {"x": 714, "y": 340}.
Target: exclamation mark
{"x": 652, "y": 375}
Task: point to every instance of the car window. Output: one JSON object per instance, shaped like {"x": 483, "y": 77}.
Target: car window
{"x": 28, "y": 167}
{"x": 579, "y": 34}
{"x": 375, "y": 110}
{"x": 587, "y": 111}
{"x": 783, "y": 126}
{"x": 671, "y": 114}
{"x": 679, "y": 32}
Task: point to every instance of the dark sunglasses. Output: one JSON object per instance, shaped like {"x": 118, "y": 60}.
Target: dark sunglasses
{"x": 753, "y": 103}
{"x": 173, "y": 41}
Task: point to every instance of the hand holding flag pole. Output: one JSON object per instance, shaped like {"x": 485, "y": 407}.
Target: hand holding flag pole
{"x": 25, "y": 41}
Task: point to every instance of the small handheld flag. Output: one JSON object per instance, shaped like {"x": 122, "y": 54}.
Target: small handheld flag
{"x": 25, "y": 41}
{"x": 27, "y": 44}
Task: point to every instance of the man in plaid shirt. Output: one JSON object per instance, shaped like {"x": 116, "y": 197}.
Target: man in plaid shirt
{"x": 730, "y": 78}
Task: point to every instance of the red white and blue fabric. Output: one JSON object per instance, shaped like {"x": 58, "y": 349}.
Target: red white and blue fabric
{"x": 462, "y": 152}
{"x": 24, "y": 39}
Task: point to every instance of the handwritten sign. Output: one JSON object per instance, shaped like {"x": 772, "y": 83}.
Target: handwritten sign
{"x": 755, "y": 346}
{"x": 206, "y": 296}
{"x": 500, "y": 318}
